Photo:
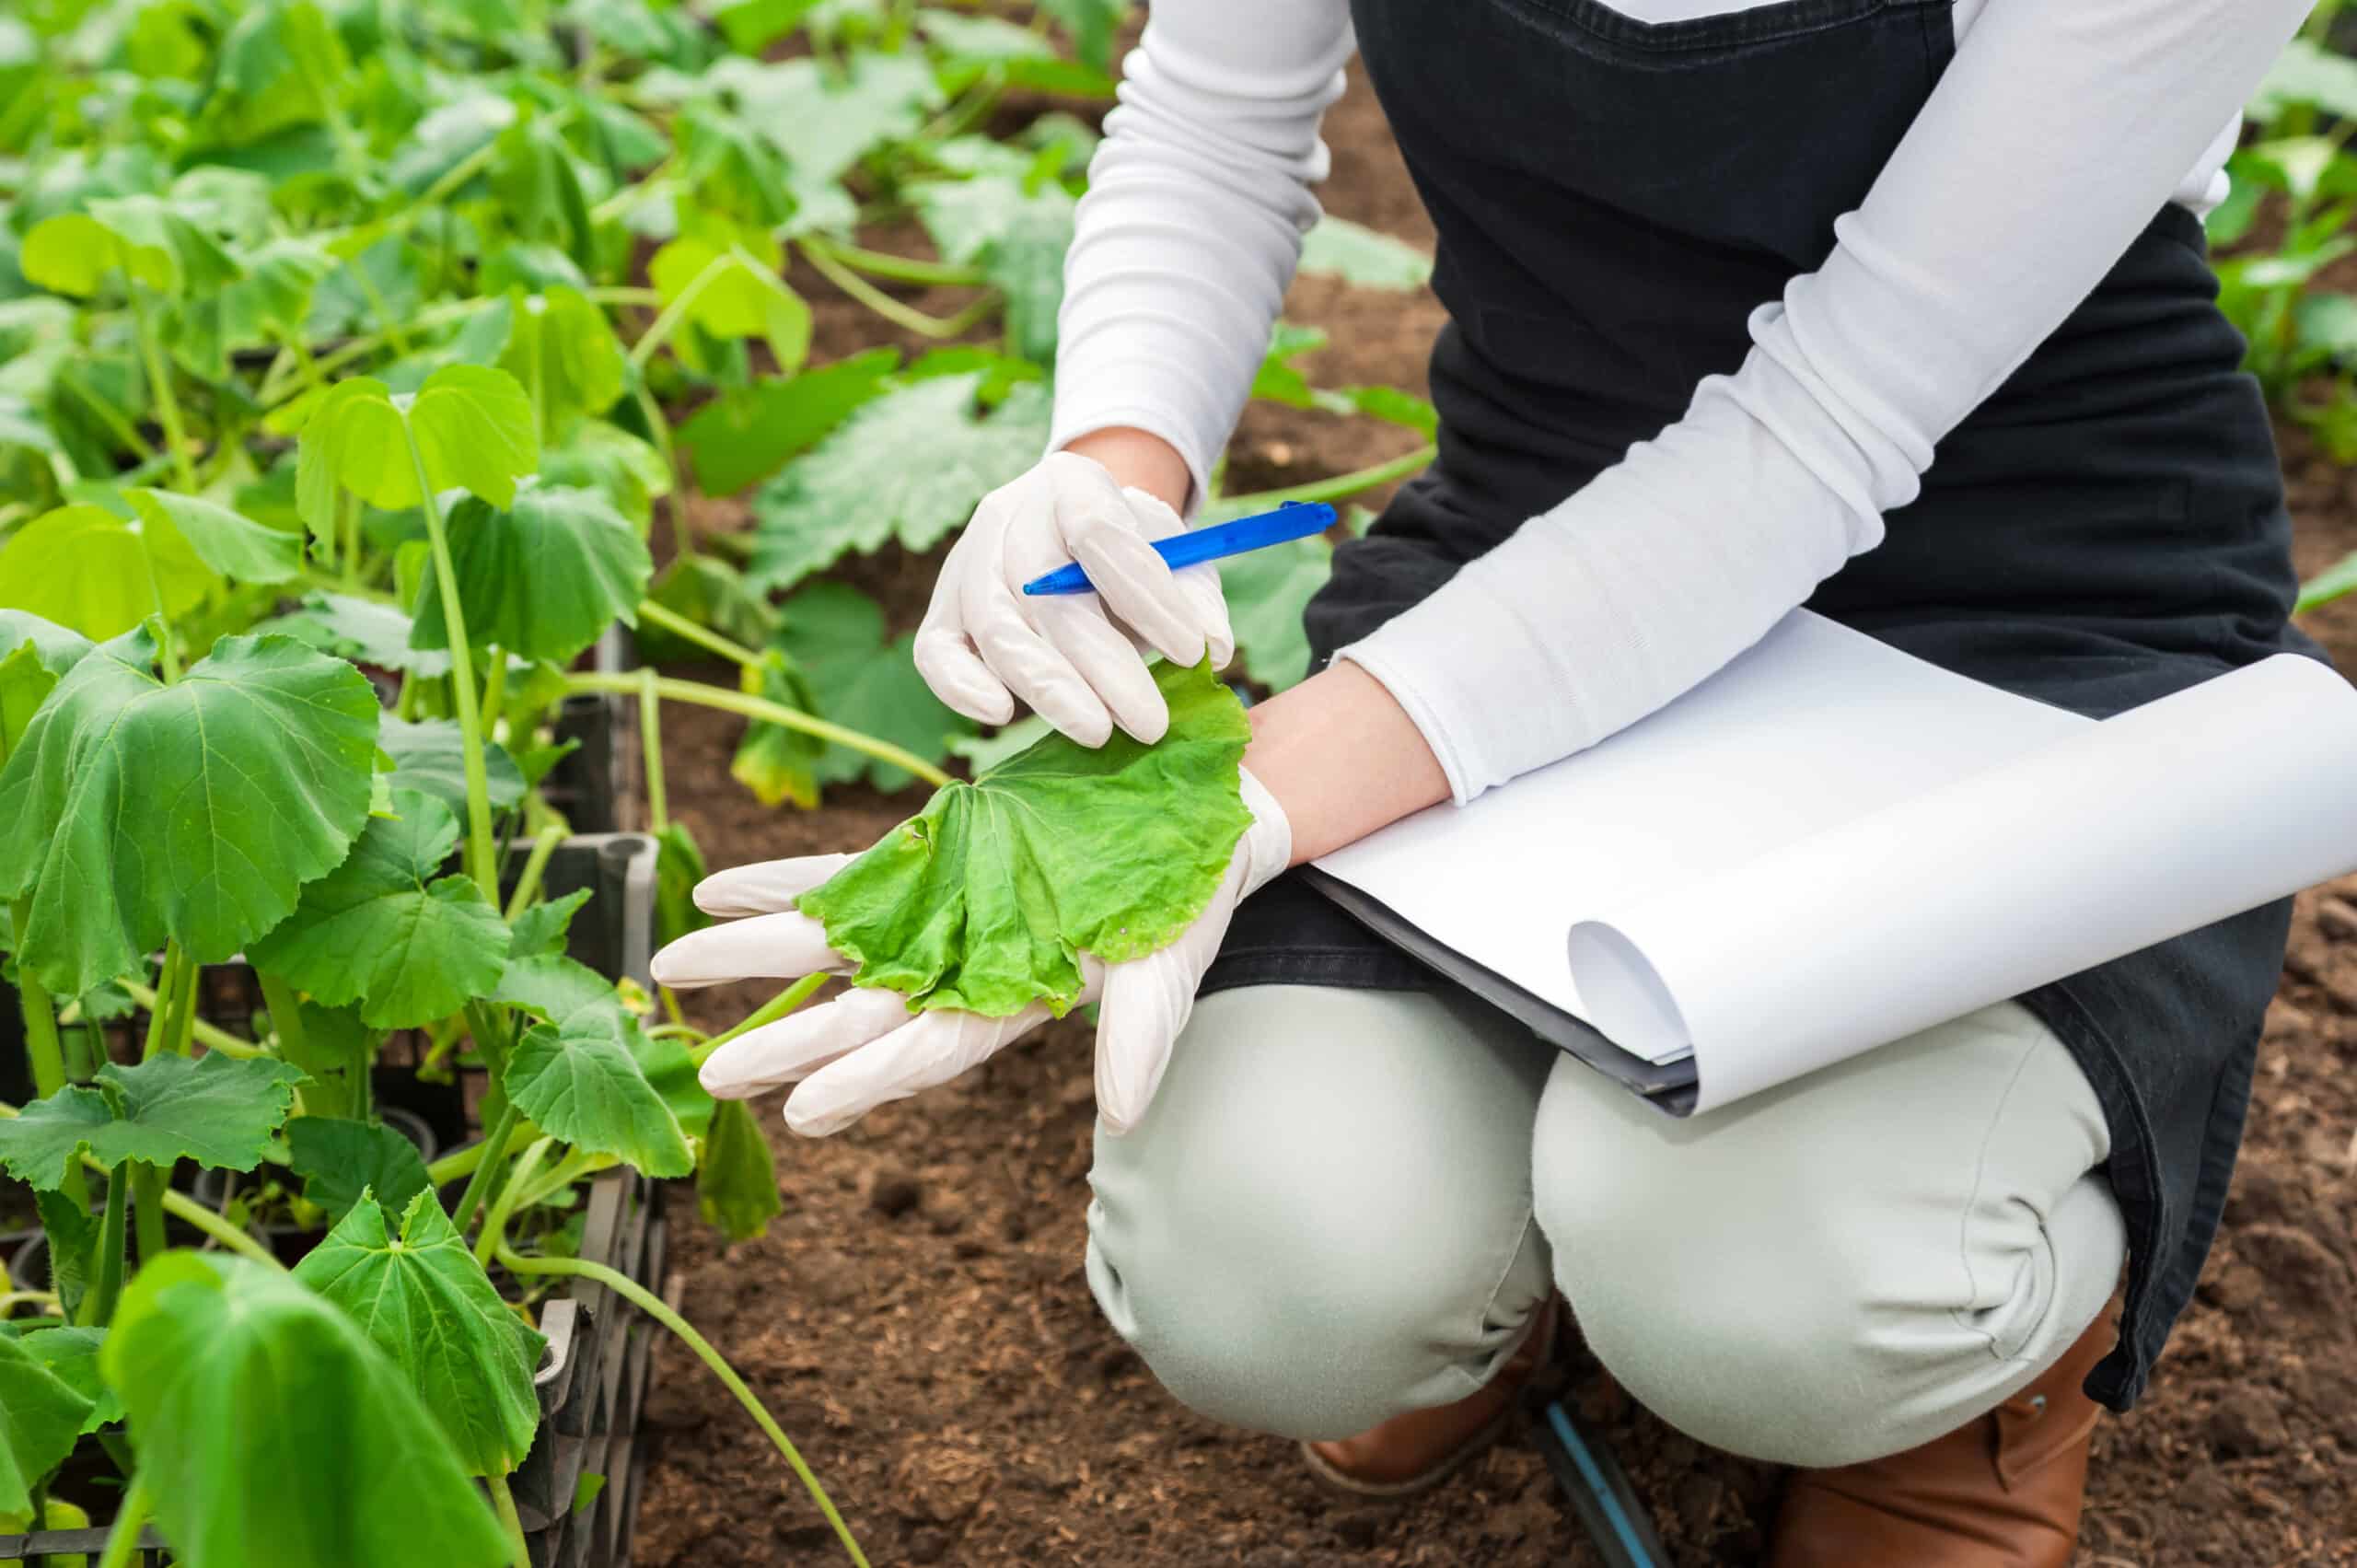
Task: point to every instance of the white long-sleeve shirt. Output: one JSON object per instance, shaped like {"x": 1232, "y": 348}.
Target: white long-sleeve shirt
{"x": 2057, "y": 132}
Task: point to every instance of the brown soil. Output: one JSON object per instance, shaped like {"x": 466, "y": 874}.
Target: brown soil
{"x": 918, "y": 1320}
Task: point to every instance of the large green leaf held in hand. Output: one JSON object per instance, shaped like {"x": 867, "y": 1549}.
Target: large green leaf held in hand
{"x": 428, "y": 1306}
{"x": 984, "y": 899}
{"x": 910, "y": 465}
{"x": 134, "y": 811}
{"x": 474, "y": 432}
{"x": 41, "y": 1415}
{"x": 544, "y": 578}
{"x": 242, "y": 1383}
{"x": 215, "y": 1110}
{"x": 387, "y": 930}
{"x": 590, "y": 1075}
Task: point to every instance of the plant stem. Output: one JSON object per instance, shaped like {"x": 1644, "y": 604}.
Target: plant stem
{"x": 769, "y": 1012}
{"x": 98, "y": 1310}
{"x": 705, "y": 637}
{"x": 668, "y": 320}
{"x": 167, "y": 986}
{"x": 494, "y": 1224}
{"x": 696, "y": 691}
{"x": 190, "y": 1213}
{"x": 167, "y": 653}
{"x": 41, "y": 1044}
{"x": 159, "y": 387}
{"x": 898, "y": 269}
{"x": 536, "y": 864}
{"x": 462, "y": 678}
{"x": 210, "y": 1035}
{"x": 147, "y": 1209}
{"x": 495, "y": 1149}
{"x": 502, "y": 1501}
{"x": 1341, "y": 486}
{"x": 903, "y": 316}
{"x": 646, "y": 1301}
{"x": 650, "y": 737}
{"x": 129, "y": 1524}
{"x": 118, "y": 426}
{"x": 348, "y": 511}
{"x": 459, "y": 1163}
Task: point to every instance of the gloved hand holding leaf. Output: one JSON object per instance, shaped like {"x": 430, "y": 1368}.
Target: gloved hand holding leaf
{"x": 1064, "y": 875}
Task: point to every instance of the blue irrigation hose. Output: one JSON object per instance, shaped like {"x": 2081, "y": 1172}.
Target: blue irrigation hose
{"x": 1627, "y": 1538}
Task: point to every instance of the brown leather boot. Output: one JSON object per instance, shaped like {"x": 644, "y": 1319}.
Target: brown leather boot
{"x": 1412, "y": 1453}
{"x": 2002, "y": 1490}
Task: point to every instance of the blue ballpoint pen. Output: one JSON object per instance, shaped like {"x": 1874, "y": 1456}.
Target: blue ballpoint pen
{"x": 1295, "y": 519}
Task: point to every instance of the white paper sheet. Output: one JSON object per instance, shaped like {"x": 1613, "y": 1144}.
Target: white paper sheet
{"x": 2204, "y": 803}
{"x": 1734, "y": 889}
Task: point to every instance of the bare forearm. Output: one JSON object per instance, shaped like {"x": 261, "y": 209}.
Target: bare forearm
{"x": 1343, "y": 758}
{"x": 1139, "y": 460}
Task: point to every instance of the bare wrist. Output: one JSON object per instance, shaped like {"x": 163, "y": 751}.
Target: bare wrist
{"x": 1139, "y": 460}
{"x": 1343, "y": 758}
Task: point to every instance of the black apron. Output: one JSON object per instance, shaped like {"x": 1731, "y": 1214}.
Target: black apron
{"x": 1613, "y": 199}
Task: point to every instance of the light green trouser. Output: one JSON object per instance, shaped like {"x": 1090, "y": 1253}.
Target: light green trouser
{"x": 1345, "y": 1204}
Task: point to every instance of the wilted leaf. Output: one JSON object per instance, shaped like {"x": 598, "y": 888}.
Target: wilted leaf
{"x": 201, "y": 1351}
{"x": 985, "y": 899}
{"x": 736, "y": 1180}
{"x": 269, "y": 748}
{"x": 544, "y": 578}
{"x": 428, "y": 1306}
{"x": 858, "y": 487}
{"x": 385, "y": 929}
{"x": 213, "y": 1110}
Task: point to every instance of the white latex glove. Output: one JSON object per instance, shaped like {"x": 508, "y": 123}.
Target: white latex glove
{"x": 864, "y": 1048}
{"x": 1073, "y": 657}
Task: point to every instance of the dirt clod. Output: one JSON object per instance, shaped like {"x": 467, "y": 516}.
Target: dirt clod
{"x": 896, "y": 1193}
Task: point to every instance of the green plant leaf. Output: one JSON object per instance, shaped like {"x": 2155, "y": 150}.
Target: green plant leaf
{"x": 40, "y": 1416}
{"x": 980, "y": 753}
{"x": 544, "y": 578}
{"x": 776, "y": 764}
{"x": 741, "y": 436}
{"x": 1017, "y": 237}
{"x": 538, "y": 182}
{"x": 835, "y": 634}
{"x": 541, "y": 930}
{"x": 563, "y": 346}
{"x": 144, "y": 236}
{"x": 85, "y": 568}
{"x": 1360, "y": 255}
{"x": 606, "y": 459}
{"x": 35, "y": 655}
{"x": 679, "y": 866}
{"x": 268, "y": 749}
{"x": 1092, "y": 24}
{"x": 333, "y": 1043}
{"x": 736, "y": 1179}
{"x": 342, "y": 1162}
{"x": 235, "y": 545}
{"x": 858, "y": 488}
{"x": 215, "y": 1110}
{"x": 2306, "y": 73}
{"x": 743, "y": 297}
{"x": 826, "y": 120}
{"x": 713, "y": 594}
{"x": 430, "y": 756}
{"x": 1267, "y": 590}
{"x": 985, "y": 899}
{"x": 2330, "y": 583}
{"x": 240, "y": 1383}
{"x": 428, "y": 1306}
{"x": 360, "y": 629}
{"x": 474, "y": 430}
{"x": 582, "y": 1076}
{"x": 73, "y": 1234}
{"x": 72, "y": 1356}
{"x": 386, "y": 930}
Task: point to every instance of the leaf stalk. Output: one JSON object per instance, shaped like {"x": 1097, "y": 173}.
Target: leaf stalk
{"x": 463, "y": 678}
{"x": 696, "y": 691}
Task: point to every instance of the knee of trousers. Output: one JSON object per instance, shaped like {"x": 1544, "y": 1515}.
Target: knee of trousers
{"x": 1293, "y": 1256}
{"x": 1809, "y": 1312}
